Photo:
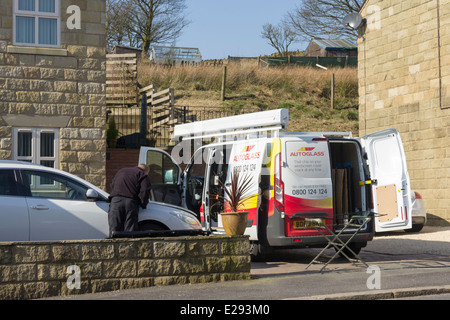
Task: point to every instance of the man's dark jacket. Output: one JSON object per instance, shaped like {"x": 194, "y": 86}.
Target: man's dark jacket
{"x": 132, "y": 183}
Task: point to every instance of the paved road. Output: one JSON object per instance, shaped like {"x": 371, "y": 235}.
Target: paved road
{"x": 398, "y": 261}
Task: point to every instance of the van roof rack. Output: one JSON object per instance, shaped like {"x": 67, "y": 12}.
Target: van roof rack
{"x": 321, "y": 134}
{"x": 258, "y": 122}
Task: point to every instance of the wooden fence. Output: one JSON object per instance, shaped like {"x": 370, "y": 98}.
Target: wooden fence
{"x": 146, "y": 115}
{"x": 152, "y": 121}
{"x": 121, "y": 79}
{"x": 328, "y": 62}
{"x": 164, "y": 114}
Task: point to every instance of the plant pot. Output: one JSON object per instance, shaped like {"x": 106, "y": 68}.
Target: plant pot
{"x": 234, "y": 223}
{"x": 112, "y": 143}
{"x": 151, "y": 142}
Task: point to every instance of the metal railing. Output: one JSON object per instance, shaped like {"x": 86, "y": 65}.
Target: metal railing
{"x": 128, "y": 122}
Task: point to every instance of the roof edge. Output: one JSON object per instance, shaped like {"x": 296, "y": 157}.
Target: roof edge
{"x": 363, "y": 5}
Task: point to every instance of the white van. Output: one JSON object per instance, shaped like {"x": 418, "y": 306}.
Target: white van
{"x": 294, "y": 174}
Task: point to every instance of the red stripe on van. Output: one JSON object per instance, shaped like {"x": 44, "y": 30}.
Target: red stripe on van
{"x": 295, "y": 205}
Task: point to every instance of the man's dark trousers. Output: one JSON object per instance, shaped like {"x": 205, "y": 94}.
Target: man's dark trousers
{"x": 123, "y": 214}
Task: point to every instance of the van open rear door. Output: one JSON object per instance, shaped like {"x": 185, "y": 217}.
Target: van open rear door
{"x": 165, "y": 175}
{"x": 391, "y": 188}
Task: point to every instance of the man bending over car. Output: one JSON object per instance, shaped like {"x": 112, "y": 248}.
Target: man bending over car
{"x": 130, "y": 189}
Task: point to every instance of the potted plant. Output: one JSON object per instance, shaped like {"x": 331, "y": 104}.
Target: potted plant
{"x": 112, "y": 133}
{"x": 234, "y": 217}
{"x": 152, "y": 138}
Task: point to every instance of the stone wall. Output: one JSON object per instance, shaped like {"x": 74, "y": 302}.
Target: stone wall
{"x": 60, "y": 88}
{"x": 404, "y": 77}
{"x": 42, "y": 269}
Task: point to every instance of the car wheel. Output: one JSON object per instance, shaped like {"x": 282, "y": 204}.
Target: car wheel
{"x": 415, "y": 228}
{"x": 152, "y": 226}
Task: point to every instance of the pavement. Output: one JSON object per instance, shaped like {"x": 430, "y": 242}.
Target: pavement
{"x": 431, "y": 240}
{"x": 411, "y": 265}
{"x": 429, "y": 248}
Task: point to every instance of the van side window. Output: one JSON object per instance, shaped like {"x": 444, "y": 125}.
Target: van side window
{"x": 162, "y": 169}
{"x": 195, "y": 178}
{"x": 8, "y": 186}
{"x": 219, "y": 171}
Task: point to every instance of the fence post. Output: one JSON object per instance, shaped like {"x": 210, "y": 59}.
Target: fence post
{"x": 332, "y": 91}
{"x": 143, "y": 126}
{"x": 172, "y": 103}
{"x": 224, "y": 80}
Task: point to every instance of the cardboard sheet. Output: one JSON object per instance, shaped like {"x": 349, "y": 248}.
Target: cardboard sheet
{"x": 341, "y": 194}
{"x": 387, "y": 203}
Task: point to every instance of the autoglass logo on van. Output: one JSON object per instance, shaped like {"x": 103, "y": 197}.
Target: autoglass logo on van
{"x": 247, "y": 149}
{"x": 307, "y": 152}
{"x": 247, "y": 153}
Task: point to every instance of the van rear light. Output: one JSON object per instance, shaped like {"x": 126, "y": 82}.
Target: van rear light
{"x": 202, "y": 213}
{"x": 279, "y": 185}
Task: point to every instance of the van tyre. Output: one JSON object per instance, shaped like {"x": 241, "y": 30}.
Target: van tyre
{"x": 258, "y": 252}
{"x": 415, "y": 228}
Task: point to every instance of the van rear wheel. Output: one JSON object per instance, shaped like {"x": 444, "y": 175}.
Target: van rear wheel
{"x": 258, "y": 252}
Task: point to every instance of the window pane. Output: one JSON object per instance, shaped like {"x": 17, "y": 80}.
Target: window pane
{"x": 170, "y": 171}
{"x": 48, "y": 163}
{"x": 27, "y": 5}
{"x": 24, "y": 144}
{"x": 47, "y": 31}
{"x": 7, "y": 183}
{"x": 43, "y": 185}
{"x": 47, "y": 144}
{"x": 47, "y": 5}
{"x": 154, "y": 161}
{"x": 25, "y": 29}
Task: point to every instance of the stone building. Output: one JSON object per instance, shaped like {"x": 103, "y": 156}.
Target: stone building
{"x": 331, "y": 48}
{"x": 404, "y": 79}
{"x": 52, "y": 84}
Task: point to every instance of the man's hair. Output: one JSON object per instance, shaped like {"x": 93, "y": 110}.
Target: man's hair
{"x": 144, "y": 167}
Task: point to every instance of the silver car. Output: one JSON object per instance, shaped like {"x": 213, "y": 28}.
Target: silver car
{"x": 40, "y": 203}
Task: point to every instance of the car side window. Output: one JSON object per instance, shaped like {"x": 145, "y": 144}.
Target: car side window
{"x": 54, "y": 186}
{"x": 8, "y": 185}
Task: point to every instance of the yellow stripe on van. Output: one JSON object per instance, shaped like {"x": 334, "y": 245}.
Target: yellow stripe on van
{"x": 319, "y": 203}
{"x": 250, "y": 202}
{"x": 276, "y": 149}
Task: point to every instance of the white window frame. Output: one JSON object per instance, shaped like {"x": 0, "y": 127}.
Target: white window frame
{"x": 35, "y": 145}
{"x": 36, "y": 14}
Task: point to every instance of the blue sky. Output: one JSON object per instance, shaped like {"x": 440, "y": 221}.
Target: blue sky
{"x": 220, "y": 28}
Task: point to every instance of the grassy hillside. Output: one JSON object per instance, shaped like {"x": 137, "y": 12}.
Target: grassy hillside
{"x": 305, "y": 91}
